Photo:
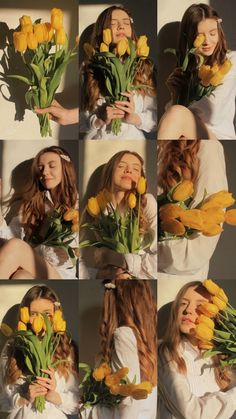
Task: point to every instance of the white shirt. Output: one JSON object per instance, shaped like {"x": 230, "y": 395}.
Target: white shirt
{"x": 194, "y": 395}
{"x": 188, "y": 259}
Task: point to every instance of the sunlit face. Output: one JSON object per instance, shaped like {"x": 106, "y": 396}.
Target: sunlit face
{"x": 40, "y": 306}
{"x": 127, "y": 173}
{"x": 209, "y": 28}
{"x": 50, "y": 169}
{"x": 120, "y": 25}
{"x": 188, "y": 309}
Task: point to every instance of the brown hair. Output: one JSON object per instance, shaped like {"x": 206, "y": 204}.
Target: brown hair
{"x": 131, "y": 304}
{"x": 177, "y": 161}
{"x": 65, "y": 350}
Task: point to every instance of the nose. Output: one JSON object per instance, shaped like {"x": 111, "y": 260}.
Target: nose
{"x": 207, "y": 39}
{"x": 120, "y": 25}
{"x": 190, "y": 308}
{"x": 128, "y": 169}
{"x": 45, "y": 171}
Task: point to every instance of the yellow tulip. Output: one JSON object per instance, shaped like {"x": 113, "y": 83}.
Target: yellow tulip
{"x": 88, "y": 49}
{"x": 60, "y": 36}
{"x": 214, "y": 69}
{"x": 192, "y": 218}
{"x": 75, "y": 228}
{"x": 230, "y": 217}
{"x": 126, "y": 390}
{"x": 70, "y": 214}
{"x": 57, "y": 315}
{"x": 98, "y": 374}
{"x": 170, "y": 212}
{"x": 20, "y": 41}
{"x": 107, "y": 36}
{"x": 226, "y": 66}
{"x": 209, "y": 309}
{"x": 141, "y": 185}
{"x": 112, "y": 380}
{"x": 122, "y": 46}
{"x": 24, "y": 314}
{"x": 32, "y": 41}
{"x": 221, "y": 304}
{"x": 49, "y": 31}
{"x": 221, "y": 294}
{"x": 25, "y": 20}
{"x": 40, "y": 32}
{"x": 115, "y": 389}
{"x": 145, "y": 385}
{"x": 211, "y": 286}
{"x": 59, "y": 326}
{"x": 93, "y": 207}
{"x": 204, "y": 344}
{"x": 216, "y": 79}
{"x": 103, "y": 47}
{"x": 203, "y": 332}
{"x": 142, "y": 41}
{"x": 206, "y": 320}
{"x": 21, "y": 326}
{"x": 183, "y": 191}
{"x": 122, "y": 372}
{"x": 27, "y": 28}
{"x": 204, "y": 74}
{"x": 139, "y": 394}
{"x": 173, "y": 227}
{"x": 6, "y": 330}
{"x": 132, "y": 201}
{"x": 143, "y": 51}
{"x": 214, "y": 215}
{"x": 210, "y": 230}
{"x": 199, "y": 40}
{"x": 106, "y": 368}
{"x": 56, "y": 18}
{"x": 38, "y": 324}
{"x": 222, "y": 199}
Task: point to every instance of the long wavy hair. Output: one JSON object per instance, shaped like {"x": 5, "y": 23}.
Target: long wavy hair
{"x": 31, "y": 200}
{"x": 145, "y": 74}
{"x": 173, "y": 337}
{"x": 131, "y": 304}
{"x": 65, "y": 349}
{"x": 177, "y": 161}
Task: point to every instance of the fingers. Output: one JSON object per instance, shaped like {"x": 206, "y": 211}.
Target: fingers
{"x": 126, "y": 107}
{"x": 44, "y": 110}
{"x": 50, "y": 371}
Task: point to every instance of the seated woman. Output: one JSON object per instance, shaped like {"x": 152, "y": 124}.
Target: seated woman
{"x": 190, "y": 386}
{"x": 120, "y": 177}
{"x": 52, "y": 186}
{"x": 212, "y": 116}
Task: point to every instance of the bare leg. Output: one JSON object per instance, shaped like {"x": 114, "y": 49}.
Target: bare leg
{"x": 16, "y": 253}
{"x": 179, "y": 121}
{"x": 22, "y": 274}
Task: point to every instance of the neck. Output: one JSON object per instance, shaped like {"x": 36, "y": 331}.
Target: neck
{"x": 119, "y": 199}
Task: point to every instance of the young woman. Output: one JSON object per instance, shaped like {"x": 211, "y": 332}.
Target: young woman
{"x": 211, "y": 116}
{"x": 128, "y": 339}
{"x": 60, "y": 389}
{"x": 138, "y": 113}
{"x": 52, "y": 185}
{"x": 120, "y": 177}
{"x": 202, "y": 162}
{"x": 189, "y": 385}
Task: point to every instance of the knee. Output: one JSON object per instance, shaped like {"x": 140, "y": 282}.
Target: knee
{"x": 22, "y": 274}
{"x": 178, "y": 111}
{"x": 13, "y": 246}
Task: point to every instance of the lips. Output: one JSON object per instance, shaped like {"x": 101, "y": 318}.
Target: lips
{"x": 187, "y": 320}
{"x": 120, "y": 35}
{"x": 126, "y": 178}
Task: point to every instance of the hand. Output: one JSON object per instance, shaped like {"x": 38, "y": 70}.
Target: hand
{"x": 35, "y": 390}
{"x": 49, "y": 384}
{"x": 128, "y": 107}
{"x": 112, "y": 272}
{"x": 59, "y": 114}
{"x": 106, "y": 114}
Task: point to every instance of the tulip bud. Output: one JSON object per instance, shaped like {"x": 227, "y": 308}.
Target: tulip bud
{"x": 221, "y": 294}
{"x": 221, "y": 304}
{"x": 49, "y": 31}
{"x": 98, "y": 374}
{"x": 38, "y": 324}
{"x": 174, "y": 227}
{"x": 24, "y": 314}
{"x": 75, "y": 228}
{"x": 183, "y": 191}
{"x": 20, "y": 41}
{"x": 139, "y": 394}
{"x": 226, "y": 66}
{"x": 106, "y": 368}
{"x": 214, "y": 215}
{"x": 216, "y": 79}
{"x": 107, "y": 36}
{"x": 145, "y": 385}
{"x": 40, "y": 32}
{"x": 170, "y": 211}
{"x": 126, "y": 390}
{"x": 59, "y": 325}
{"x": 93, "y": 207}
{"x": 70, "y": 214}
{"x": 60, "y": 36}
{"x": 210, "y": 230}
{"x": 112, "y": 380}
{"x": 199, "y": 41}
{"x": 21, "y": 326}
{"x": 141, "y": 185}
{"x": 132, "y": 200}
{"x": 192, "y": 219}
{"x": 103, "y": 47}
{"x": 27, "y": 28}
{"x": 222, "y": 199}
{"x": 32, "y": 41}
{"x": 211, "y": 286}
{"x": 209, "y": 309}
{"x": 142, "y": 41}
{"x": 206, "y": 320}
{"x": 143, "y": 51}
{"x": 122, "y": 372}
{"x": 25, "y": 20}
{"x": 230, "y": 217}
{"x": 56, "y": 18}
{"x": 203, "y": 332}
{"x": 122, "y": 46}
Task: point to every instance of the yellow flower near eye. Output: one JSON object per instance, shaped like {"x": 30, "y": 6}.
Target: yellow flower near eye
{"x": 20, "y": 41}
{"x": 25, "y": 20}
{"x": 230, "y": 217}
{"x": 170, "y": 212}
{"x": 141, "y": 185}
{"x": 38, "y": 324}
{"x": 132, "y": 201}
{"x": 49, "y": 31}
{"x": 93, "y": 207}
{"x": 24, "y": 314}
{"x": 88, "y": 49}
{"x": 209, "y": 309}
{"x": 32, "y": 41}
{"x": 210, "y": 230}
{"x": 6, "y": 330}
{"x": 40, "y": 32}
{"x": 98, "y": 374}
{"x": 221, "y": 304}
{"x": 206, "y": 320}
{"x": 60, "y": 36}
{"x": 56, "y": 18}
{"x": 204, "y": 344}
{"x": 107, "y": 36}
{"x": 199, "y": 40}
{"x": 139, "y": 394}
{"x": 173, "y": 227}
{"x": 71, "y": 214}
{"x": 216, "y": 79}
{"x": 222, "y": 199}
{"x": 103, "y": 47}
{"x": 183, "y": 191}
{"x": 21, "y": 326}
{"x": 225, "y": 67}
{"x": 192, "y": 218}
{"x": 122, "y": 46}
{"x": 211, "y": 286}
{"x": 203, "y": 332}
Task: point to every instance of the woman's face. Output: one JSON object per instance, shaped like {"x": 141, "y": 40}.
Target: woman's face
{"x": 127, "y": 173}
{"x": 120, "y": 25}
{"x": 40, "y": 306}
{"x": 50, "y": 169}
{"x": 209, "y": 28}
{"x": 188, "y": 309}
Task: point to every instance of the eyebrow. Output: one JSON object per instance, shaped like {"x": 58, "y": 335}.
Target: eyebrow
{"x": 124, "y": 18}
{"x": 197, "y": 301}
{"x": 51, "y": 161}
{"x": 134, "y": 164}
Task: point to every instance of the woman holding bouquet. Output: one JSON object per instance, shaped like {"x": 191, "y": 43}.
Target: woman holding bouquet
{"x": 136, "y": 108}
{"x": 52, "y": 186}
{"x": 210, "y": 116}
{"x": 189, "y": 160}
{"x": 128, "y": 339}
{"x": 189, "y": 385}
{"x": 120, "y": 177}
{"x": 59, "y": 387}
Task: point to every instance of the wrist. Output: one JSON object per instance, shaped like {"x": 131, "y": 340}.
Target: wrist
{"x": 99, "y": 123}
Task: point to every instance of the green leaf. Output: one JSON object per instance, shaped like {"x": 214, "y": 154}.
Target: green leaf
{"x": 21, "y": 78}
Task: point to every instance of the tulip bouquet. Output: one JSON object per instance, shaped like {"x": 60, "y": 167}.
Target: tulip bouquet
{"x": 218, "y": 336}
{"x": 44, "y": 50}
{"x": 37, "y": 341}
{"x": 115, "y": 67}
{"x": 59, "y": 230}
{"x": 207, "y": 78}
{"x": 106, "y": 388}
{"x": 177, "y": 218}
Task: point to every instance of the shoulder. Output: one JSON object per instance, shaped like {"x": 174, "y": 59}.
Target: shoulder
{"x": 209, "y": 147}
{"x": 151, "y": 206}
{"x": 231, "y": 55}
{"x": 125, "y": 334}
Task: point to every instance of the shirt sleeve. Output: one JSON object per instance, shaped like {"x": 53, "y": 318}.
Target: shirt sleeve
{"x": 175, "y": 395}
{"x": 148, "y": 115}
{"x": 187, "y": 256}
{"x": 69, "y": 394}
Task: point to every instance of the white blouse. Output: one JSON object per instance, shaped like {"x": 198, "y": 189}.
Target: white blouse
{"x": 126, "y": 355}
{"x": 217, "y": 111}
{"x": 194, "y": 395}
{"x": 188, "y": 259}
